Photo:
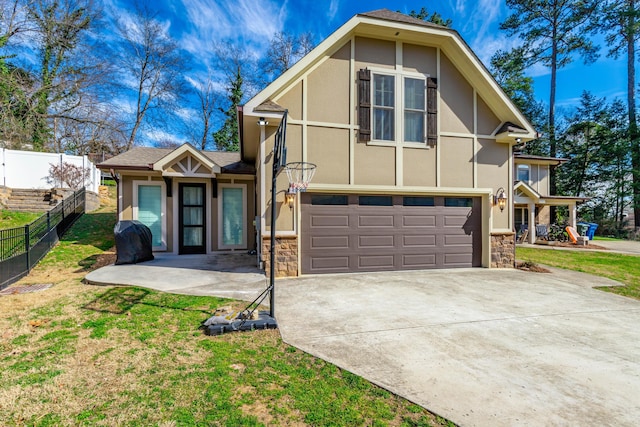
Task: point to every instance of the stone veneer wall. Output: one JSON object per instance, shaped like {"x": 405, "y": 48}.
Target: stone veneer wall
{"x": 286, "y": 255}
{"x": 5, "y": 194}
{"x": 503, "y": 250}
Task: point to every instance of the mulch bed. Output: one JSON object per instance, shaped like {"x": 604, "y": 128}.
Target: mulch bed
{"x": 531, "y": 266}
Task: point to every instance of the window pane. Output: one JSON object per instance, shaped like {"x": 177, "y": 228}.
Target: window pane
{"x": 383, "y": 124}
{"x": 375, "y": 201}
{"x": 418, "y": 201}
{"x": 523, "y": 173}
{"x": 414, "y": 113}
{"x": 413, "y": 126}
{"x": 192, "y": 196}
{"x": 232, "y": 216}
{"x": 458, "y": 202}
{"x": 414, "y": 94}
{"x": 193, "y": 216}
{"x": 150, "y": 210}
{"x": 192, "y": 236}
{"x": 329, "y": 200}
{"x": 383, "y": 90}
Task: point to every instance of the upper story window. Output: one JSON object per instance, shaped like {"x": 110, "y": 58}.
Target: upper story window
{"x": 397, "y": 107}
{"x": 415, "y": 112}
{"x": 523, "y": 173}
{"x": 383, "y": 107}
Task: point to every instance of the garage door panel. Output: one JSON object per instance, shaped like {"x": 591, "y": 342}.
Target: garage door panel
{"x": 426, "y": 240}
{"x": 455, "y": 220}
{"x": 375, "y": 221}
{"x": 330, "y": 263}
{"x": 354, "y": 237}
{"x": 458, "y": 240}
{"x": 376, "y": 262}
{"x": 332, "y": 221}
{"x": 376, "y": 242}
{"x": 419, "y": 221}
{"x": 455, "y": 260}
{"x": 419, "y": 261}
{"x": 325, "y": 242}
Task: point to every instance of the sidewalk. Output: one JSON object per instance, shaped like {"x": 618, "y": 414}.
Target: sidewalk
{"x": 628, "y": 247}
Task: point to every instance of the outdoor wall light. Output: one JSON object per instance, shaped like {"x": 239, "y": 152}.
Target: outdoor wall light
{"x": 262, "y": 122}
{"x": 289, "y": 198}
{"x": 500, "y": 199}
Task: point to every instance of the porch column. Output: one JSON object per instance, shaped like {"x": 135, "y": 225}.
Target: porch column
{"x": 532, "y": 222}
{"x": 573, "y": 213}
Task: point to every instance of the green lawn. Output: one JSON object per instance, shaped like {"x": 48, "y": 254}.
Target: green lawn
{"x": 84, "y": 355}
{"x": 11, "y": 219}
{"x": 622, "y": 268}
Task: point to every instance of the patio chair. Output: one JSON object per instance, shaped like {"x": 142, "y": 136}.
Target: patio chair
{"x": 523, "y": 234}
{"x": 541, "y": 232}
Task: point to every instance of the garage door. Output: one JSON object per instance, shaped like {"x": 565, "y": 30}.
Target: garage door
{"x": 351, "y": 233}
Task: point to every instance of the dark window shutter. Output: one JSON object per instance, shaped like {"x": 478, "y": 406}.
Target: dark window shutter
{"x": 432, "y": 112}
{"x": 364, "y": 105}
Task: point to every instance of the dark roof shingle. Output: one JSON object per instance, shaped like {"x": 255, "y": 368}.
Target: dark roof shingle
{"x": 145, "y": 157}
{"x": 389, "y": 15}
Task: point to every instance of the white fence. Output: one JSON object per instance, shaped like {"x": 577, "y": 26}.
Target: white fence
{"x": 30, "y": 169}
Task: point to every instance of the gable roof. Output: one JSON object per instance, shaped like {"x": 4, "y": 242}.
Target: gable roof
{"x": 144, "y": 158}
{"x": 385, "y": 24}
{"x": 389, "y": 15}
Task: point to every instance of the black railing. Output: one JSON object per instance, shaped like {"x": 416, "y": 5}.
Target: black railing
{"x": 21, "y": 248}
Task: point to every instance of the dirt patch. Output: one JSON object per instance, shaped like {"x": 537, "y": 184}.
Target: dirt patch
{"x": 105, "y": 258}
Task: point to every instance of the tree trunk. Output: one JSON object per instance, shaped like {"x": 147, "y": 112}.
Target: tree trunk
{"x": 631, "y": 102}
{"x": 552, "y": 119}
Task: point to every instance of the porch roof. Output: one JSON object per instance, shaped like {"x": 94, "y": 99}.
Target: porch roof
{"x": 538, "y": 199}
{"x": 143, "y": 158}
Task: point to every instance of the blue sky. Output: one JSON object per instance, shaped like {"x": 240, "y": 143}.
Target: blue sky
{"x": 198, "y": 24}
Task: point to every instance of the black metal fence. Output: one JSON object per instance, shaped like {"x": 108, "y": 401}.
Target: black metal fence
{"x": 21, "y": 248}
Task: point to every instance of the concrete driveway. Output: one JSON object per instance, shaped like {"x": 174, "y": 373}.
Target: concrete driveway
{"x": 479, "y": 347}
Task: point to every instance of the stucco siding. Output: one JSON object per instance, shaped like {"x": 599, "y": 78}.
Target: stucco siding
{"x": 374, "y": 165}
{"x": 420, "y": 59}
{"x": 284, "y": 217}
{"x": 292, "y": 100}
{"x": 329, "y": 150}
{"x": 456, "y": 159}
{"x": 379, "y": 53}
{"x": 328, "y": 89}
{"x": 419, "y": 167}
{"x": 487, "y": 121}
{"x": 493, "y": 172}
{"x": 456, "y": 107}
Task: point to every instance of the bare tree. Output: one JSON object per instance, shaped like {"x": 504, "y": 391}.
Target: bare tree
{"x": 151, "y": 59}
{"x": 284, "y": 51}
{"x": 201, "y": 132}
{"x": 59, "y": 27}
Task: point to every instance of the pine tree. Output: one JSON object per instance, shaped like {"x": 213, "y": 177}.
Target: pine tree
{"x": 552, "y": 34}
{"x": 227, "y": 139}
{"x": 621, "y": 21}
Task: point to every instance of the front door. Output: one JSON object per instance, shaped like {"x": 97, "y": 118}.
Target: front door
{"x": 192, "y": 219}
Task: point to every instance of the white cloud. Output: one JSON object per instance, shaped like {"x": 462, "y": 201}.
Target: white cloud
{"x": 333, "y": 9}
{"x": 252, "y": 22}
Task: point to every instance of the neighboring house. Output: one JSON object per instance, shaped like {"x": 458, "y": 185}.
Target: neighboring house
{"x": 412, "y": 138}
{"x": 194, "y": 202}
{"x": 532, "y": 195}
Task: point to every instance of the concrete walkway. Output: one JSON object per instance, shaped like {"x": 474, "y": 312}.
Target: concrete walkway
{"x": 631, "y": 247}
{"x": 228, "y": 275}
{"x": 628, "y": 247}
{"x": 479, "y": 347}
